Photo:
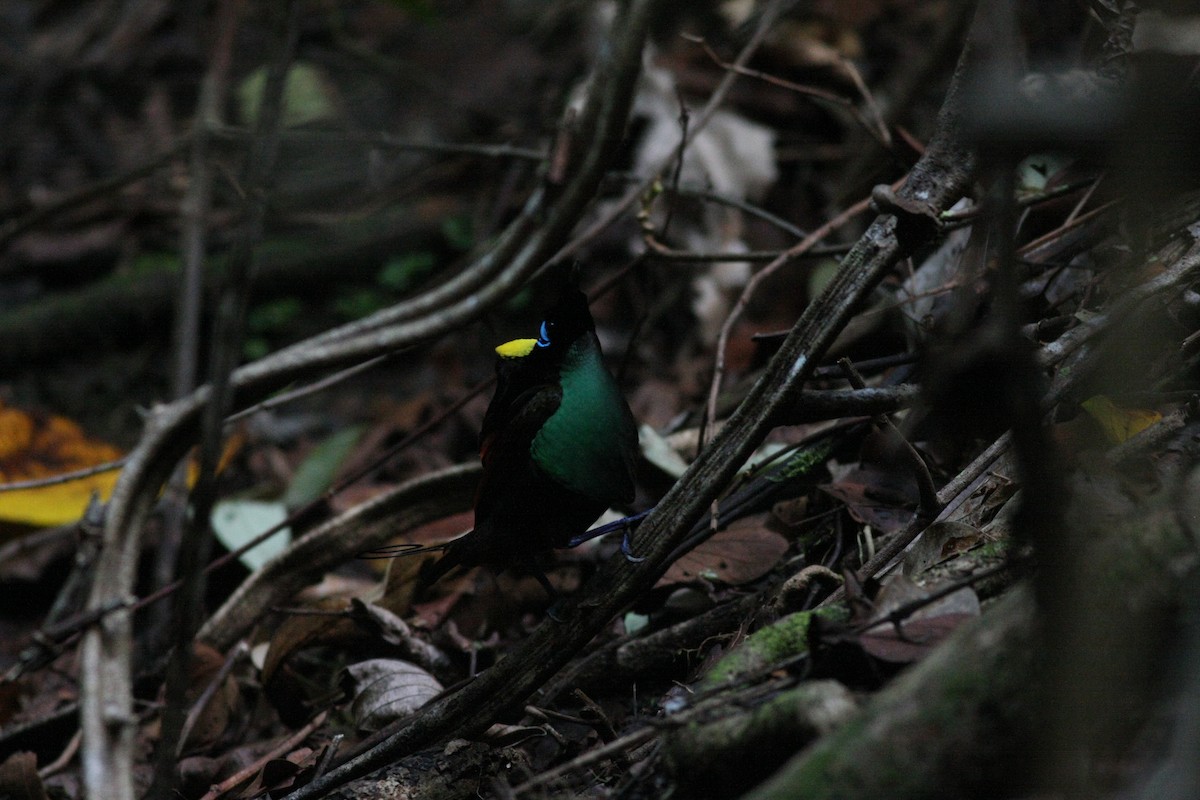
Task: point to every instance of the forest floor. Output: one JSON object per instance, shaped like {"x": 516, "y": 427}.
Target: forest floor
{"x": 961, "y": 408}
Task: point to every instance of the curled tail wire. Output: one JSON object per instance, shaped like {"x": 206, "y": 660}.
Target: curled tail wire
{"x": 402, "y": 550}
{"x": 430, "y": 573}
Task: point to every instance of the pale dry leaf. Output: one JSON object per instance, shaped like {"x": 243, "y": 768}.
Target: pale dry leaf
{"x": 385, "y": 690}
{"x": 731, "y": 155}
{"x": 1169, "y": 33}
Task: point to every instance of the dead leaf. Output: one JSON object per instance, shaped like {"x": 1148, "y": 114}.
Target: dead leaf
{"x": 223, "y": 708}
{"x": 879, "y": 651}
{"x": 300, "y": 631}
{"x": 874, "y": 498}
{"x": 913, "y": 640}
{"x": 395, "y": 631}
{"x": 898, "y": 591}
{"x": 385, "y": 690}
{"x": 1119, "y": 424}
{"x": 34, "y": 446}
{"x": 732, "y": 154}
{"x": 937, "y": 542}
{"x": 743, "y": 552}
{"x": 922, "y": 630}
{"x": 19, "y": 779}
{"x": 279, "y": 774}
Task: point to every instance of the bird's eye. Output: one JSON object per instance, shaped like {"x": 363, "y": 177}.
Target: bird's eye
{"x": 544, "y": 334}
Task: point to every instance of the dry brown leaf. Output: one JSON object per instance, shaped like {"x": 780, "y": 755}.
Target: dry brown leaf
{"x": 743, "y": 552}
{"x": 921, "y": 631}
{"x": 914, "y": 639}
{"x": 301, "y": 631}
{"x": 222, "y": 708}
{"x": 19, "y": 779}
{"x": 937, "y": 542}
{"x": 280, "y": 773}
{"x": 874, "y": 498}
{"x": 395, "y": 631}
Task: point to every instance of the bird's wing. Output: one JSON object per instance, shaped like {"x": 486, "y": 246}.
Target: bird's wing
{"x": 506, "y": 439}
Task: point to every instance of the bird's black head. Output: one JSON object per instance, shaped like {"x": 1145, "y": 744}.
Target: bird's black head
{"x": 564, "y": 323}
{"x": 566, "y": 320}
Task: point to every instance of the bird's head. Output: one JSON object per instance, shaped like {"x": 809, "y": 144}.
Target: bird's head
{"x": 565, "y": 322}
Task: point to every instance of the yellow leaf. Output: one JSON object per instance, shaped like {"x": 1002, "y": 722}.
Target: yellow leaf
{"x": 1119, "y": 424}
{"x": 34, "y": 446}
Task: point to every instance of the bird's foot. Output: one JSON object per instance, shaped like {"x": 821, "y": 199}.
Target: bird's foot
{"x": 624, "y": 524}
{"x": 627, "y": 550}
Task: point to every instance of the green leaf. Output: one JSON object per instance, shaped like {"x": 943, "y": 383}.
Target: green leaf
{"x": 148, "y": 263}
{"x": 271, "y": 316}
{"x": 402, "y": 273}
{"x": 236, "y": 522}
{"x": 360, "y": 303}
{"x": 821, "y": 275}
{"x": 307, "y": 95}
{"x": 458, "y": 232}
{"x": 635, "y": 622}
{"x": 316, "y": 473}
{"x": 255, "y": 347}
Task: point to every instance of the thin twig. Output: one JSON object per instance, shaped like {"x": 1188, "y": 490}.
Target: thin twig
{"x": 1185, "y": 269}
{"x": 231, "y": 306}
{"x": 65, "y": 477}
{"x": 384, "y": 140}
{"x": 314, "y": 388}
{"x": 327, "y": 756}
{"x": 879, "y": 133}
{"x": 1083, "y": 201}
{"x": 905, "y": 610}
{"x": 699, "y": 121}
{"x": 951, "y": 496}
{"x": 1030, "y": 247}
{"x": 735, "y": 313}
{"x": 59, "y": 764}
{"x": 956, "y": 219}
{"x": 235, "y": 655}
{"x": 929, "y": 504}
{"x": 704, "y": 193}
{"x": 660, "y": 252}
{"x": 585, "y": 760}
{"x": 14, "y": 228}
{"x": 248, "y": 772}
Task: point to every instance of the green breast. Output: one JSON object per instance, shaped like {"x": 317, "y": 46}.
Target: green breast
{"x": 588, "y": 444}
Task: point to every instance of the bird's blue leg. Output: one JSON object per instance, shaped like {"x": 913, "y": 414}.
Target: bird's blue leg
{"x": 626, "y": 524}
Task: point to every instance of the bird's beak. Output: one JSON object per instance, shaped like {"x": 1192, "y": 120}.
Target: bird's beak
{"x": 517, "y": 348}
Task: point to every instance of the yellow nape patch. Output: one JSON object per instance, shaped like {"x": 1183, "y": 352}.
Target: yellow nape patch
{"x": 517, "y": 348}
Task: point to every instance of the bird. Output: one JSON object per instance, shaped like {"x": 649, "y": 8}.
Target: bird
{"x": 558, "y": 446}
